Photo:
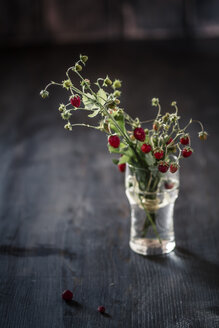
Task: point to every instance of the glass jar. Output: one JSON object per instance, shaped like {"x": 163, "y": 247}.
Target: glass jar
{"x": 152, "y": 196}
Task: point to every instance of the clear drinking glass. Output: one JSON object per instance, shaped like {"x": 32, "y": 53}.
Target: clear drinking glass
{"x": 152, "y": 230}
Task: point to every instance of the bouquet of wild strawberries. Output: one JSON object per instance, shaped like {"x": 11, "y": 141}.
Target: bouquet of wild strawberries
{"x": 149, "y": 152}
{"x": 150, "y": 149}
{"x": 144, "y": 148}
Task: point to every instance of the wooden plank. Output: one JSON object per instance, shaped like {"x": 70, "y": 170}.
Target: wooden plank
{"x": 64, "y": 217}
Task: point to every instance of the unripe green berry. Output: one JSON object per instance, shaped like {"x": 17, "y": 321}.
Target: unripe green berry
{"x": 66, "y": 84}
{"x": 173, "y": 118}
{"x": 44, "y": 94}
{"x": 117, "y": 84}
{"x": 155, "y": 102}
{"x": 84, "y": 58}
{"x": 166, "y": 117}
{"x": 117, "y": 93}
{"x": 78, "y": 67}
{"x": 68, "y": 126}
{"x": 107, "y": 82}
{"x": 146, "y": 131}
{"x": 66, "y": 115}
{"x": 62, "y": 107}
{"x": 85, "y": 83}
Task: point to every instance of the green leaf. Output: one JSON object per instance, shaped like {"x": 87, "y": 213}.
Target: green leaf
{"x": 150, "y": 160}
{"x": 121, "y": 124}
{"x": 120, "y": 150}
{"x": 89, "y": 101}
{"x": 129, "y": 152}
{"x": 101, "y": 96}
{"x": 115, "y": 161}
{"x": 122, "y": 145}
{"x": 119, "y": 118}
{"x": 95, "y": 113}
{"x": 124, "y": 159}
{"x": 113, "y": 150}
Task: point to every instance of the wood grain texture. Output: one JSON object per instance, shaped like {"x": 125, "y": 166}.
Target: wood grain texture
{"x": 64, "y": 217}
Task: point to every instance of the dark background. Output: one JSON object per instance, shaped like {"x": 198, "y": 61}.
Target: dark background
{"x": 64, "y": 217}
{"x": 55, "y": 21}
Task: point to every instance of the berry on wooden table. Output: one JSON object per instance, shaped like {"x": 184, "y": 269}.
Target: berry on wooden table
{"x": 101, "y": 309}
{"x": 67, "y": 295}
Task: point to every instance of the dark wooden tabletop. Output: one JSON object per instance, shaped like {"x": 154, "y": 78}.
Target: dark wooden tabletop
{"x": 64, "y": 216}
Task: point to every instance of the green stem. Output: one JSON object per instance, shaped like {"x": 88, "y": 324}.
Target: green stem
{"x": 200, "y": 123}
{"x": 149, "y": 182}
{"x": 52, "y": 83}
{"x": 86, "y": 125}
{"x": 158, "y": 114}
{"x": 151, "y": 222}
{"x": 147, "y": 121}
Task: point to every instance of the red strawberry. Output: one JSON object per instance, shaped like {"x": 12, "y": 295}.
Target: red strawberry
{"x": 184, "y": 140}
{"x": 114, "y": 141}
{"x": 173, "y": 167}
{"x": 158, "y": 153}
{"x": 139, "y": 134}
{"x": 187, "y": 151}
{"x": 169, "y": 141}
{"x": 146, "y": 148}
{"x": 67, "y": 295}
{"x": 122, "y": 167}
{"x": 75, "y": 101}
{"x": 163, "y": 167}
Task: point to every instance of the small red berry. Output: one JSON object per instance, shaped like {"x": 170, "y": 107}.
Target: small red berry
{"x": 146, "y": 148}
{"x": 67, "y": 295}
{"x": 184, "y": 140}
{"x": 163, "y": 167}
{"x": 114, "y": 141}
{"x": 122, "y": 167}
{"x": 168, "y": 185}
{"x": 75, "y": 101}
{"x": 158, "y": 153}
{"x": 173, "y": 167}
{"x": 169, "y": 141}
{"x": 101, "y": 309}
{"x": 187, "y": 151}
{"x": 139, "y": 134}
